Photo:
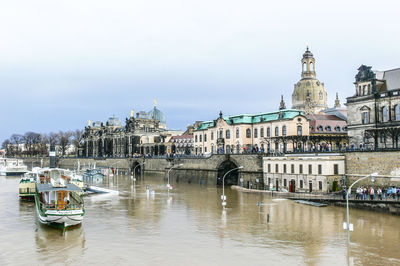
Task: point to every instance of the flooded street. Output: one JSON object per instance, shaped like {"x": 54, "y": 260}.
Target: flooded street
{"x": 189, "y": 227}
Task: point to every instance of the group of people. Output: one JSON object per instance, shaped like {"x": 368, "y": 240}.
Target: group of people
{"x": 381, "y": 193}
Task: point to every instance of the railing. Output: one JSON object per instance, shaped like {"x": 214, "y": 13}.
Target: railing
{"x": 66, "y": 206}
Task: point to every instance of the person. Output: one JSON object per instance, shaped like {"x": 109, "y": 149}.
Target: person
{"x": 344, "y": 192}
{"x": 379, "y": 192}
{"x": 371, "y": 192}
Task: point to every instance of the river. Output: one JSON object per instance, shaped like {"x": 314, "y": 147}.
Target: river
{"x": 189, "y": 227}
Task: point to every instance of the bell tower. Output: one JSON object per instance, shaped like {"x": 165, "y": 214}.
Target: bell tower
{"x": 308, "y": 65}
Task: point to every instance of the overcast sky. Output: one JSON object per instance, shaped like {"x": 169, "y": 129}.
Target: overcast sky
{"x": 65, "y": 62}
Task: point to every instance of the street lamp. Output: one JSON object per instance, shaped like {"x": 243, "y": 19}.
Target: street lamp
{"x": 223, "y": 197}
{"x": 168, "y": 185}
{"x": 134, "y": 169}
{"x": 373, "y": 175}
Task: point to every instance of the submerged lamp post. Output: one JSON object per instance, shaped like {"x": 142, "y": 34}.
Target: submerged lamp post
{"x": 347, "y": 227}
{"x": 134, "y": 169}
{"x": 168, "y": 185}
{"x": 223, "y": 197}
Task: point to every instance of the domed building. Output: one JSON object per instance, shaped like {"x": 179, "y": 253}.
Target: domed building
{"x": 157, "y": 115}
{"x": 309, "y": 94}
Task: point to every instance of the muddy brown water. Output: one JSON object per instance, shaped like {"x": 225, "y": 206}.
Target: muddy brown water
{"x": 189, "y": 227}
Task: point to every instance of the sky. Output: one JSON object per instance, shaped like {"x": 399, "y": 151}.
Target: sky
{"x": 63, "y": 63}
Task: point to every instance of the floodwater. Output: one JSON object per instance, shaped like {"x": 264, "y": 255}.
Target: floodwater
{"x": 189, "y": 227}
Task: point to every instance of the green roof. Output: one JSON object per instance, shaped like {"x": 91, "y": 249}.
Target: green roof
{"x": 253, "y": 118}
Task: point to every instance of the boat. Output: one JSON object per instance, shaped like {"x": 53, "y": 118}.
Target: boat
{"x": 59, "y": 203}
{"x": 27, "y": 185}
{"x": 93, "y": 175}
{"x": 311, "y": 203}
{"x": 10, "y": 167}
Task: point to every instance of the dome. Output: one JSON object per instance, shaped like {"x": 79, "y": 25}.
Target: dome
{"x": 307, "y": 54}
{"x": 157, "y": 115}
{"x": 114, "y": 122}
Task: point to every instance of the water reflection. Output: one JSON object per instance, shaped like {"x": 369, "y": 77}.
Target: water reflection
{"x": 188, "y": 225}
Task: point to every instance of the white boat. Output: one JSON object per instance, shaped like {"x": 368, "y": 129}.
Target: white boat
{"x": 12, "y": 167}
{"x": 58, "y": 201}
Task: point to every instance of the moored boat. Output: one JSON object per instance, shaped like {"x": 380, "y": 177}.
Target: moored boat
{"x": 27, "y": 185}
{"x": 93, "y": 175}
{"x": 59, "y": 202}
{"x": 10, "y": 167}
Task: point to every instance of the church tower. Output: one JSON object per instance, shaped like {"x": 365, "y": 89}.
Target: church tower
{"x": 309, "y": 94}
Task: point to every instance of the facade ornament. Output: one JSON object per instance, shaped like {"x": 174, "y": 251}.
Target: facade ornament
{"x": 282, "y": 105}
{"x": 337, "y": 101}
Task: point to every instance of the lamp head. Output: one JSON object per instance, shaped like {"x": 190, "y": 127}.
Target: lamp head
{"x": 240, "y": 167}
{"x": 373, "y": 175}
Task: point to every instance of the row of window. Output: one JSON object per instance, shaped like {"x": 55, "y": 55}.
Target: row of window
{"x": 301, "y": 169}
{"x": 385, "y": 115}
{"x": 248, "y": 133}
{"x": 329, "y": 128}
{"x": 285, "y": 183}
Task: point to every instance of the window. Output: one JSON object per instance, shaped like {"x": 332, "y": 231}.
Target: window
{"x": 228, "y": 149}
{"x": 397, "y": 112}
{"x": 237, "y": 133}
{"x": 268, "y": 132}
{"x": 195, "y": 138}
{"x": 284, "y": 169}
{"x": 255, "y": 133}
{"x": 365, "y": 117}
{"x": 320, "y": 185}
{"x": 276, "y": 131}
{"x": 344, "y": 128}
{"x": 269, "y": 168}
{"x": 276, "y": 168}
{"x": 335, "y": 169}
{"x": 337, "y": 128}
{"x": 284, "y": 182}
{"x": 320, "y": 169}
{"x": 301, "y": 183}
{"x": 310, "y": 169}
{"x": 201, "y": 150}
{"x": 299, "y": 130}
{"x": 284, "y": 131}
{"x": 300, "y": 168}
{"x": 321, "y": 95}
{"x": 248, "y": 133}
{"x": 262, "y": 132}
{"x": 320, "y": 128}
{"x": 212, "y": 135}
{"x": 385, "y": 115}
{"x": 200, "y": 138}
{"x": 328, "y": 128}
{"x": 383, "y": 138}
{"x": 228, "y": 134}
{"x": 205, "y": 137}
{"x": 221, "y": 134}
{"x": 212, "y": 147}
{"x": 292, "y": 166}
{"x": 205, "y": 149}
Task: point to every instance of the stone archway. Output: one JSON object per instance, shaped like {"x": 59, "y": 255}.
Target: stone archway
{"x": 137, "y": 168}
{"x": 232, "y": 178}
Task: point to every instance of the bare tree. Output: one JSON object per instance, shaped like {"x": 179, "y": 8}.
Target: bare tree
{"x": 32, "y": 141}
{"x": 64, "y": 140}
{"x": 8, "y": 147}
{"x": 76, "y": 139}
{"x": 16, "y": 140}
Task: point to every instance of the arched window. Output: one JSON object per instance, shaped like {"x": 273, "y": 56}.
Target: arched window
{"x": 228, "y": 149}
{"x": 268, "y": 132}
{"x": 320, "y": 128}
{"x": 311, "y": 128}
{"x": 195, "y": 138}
{"x": 228, "y": 134}
{"x": 312, "y": 66}
{"x": 304, "y": 67}
{"x": 397, "y": 112}
{"x": 248, "y": 133}
{"x": 221, "y": 134}
{"x": 255, "y": 133}
{"x": 344, "y": 128}
{"x": 205, "y": 137}
{"x": 385, "y": 115}
{"x": 284, "y": 131}
{"x": 200, "y": 139}
{"x": 262, "y": 132}
{"x": 328, "y": 128}
{"x": 276, "y": 131}
{"x": 321, "y": 95}
{"x": 212, "y": 148}
{"x": 337, "y": 128}
{"x": 237, "y": 133}
{"x": 299, "y": 130}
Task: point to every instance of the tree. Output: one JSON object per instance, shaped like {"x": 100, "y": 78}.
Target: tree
{"x": 8, "y": 147}
{"x": 76, "y": 139}
{"x": 32, "y": 141}
{"x": 16, "y": 139}
{"x": 64, "y": 140}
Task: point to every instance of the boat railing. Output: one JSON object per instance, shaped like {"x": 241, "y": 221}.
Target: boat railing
{"x": 60, "y": 207}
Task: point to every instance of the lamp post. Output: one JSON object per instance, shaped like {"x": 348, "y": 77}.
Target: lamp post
{"x": 223, "y": 197}
{"x": 168, "y": 185}
{"x": 134, "y": 169}
{"x": 373, "y": 175}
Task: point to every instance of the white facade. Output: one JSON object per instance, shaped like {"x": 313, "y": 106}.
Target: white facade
{"x": 304, "y": 173}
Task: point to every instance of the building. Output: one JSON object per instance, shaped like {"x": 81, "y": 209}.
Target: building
{"x": 145, "y": 134}
{"x": 374, "y": 109}
{"x": 304, "y": 173}
{"x": 251, "y": 132}
{"x": 309, "y": 94}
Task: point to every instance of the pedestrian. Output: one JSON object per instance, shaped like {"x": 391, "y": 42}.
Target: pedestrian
{"x": 371, "y": 193}
{"x": 379, "y": 192}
